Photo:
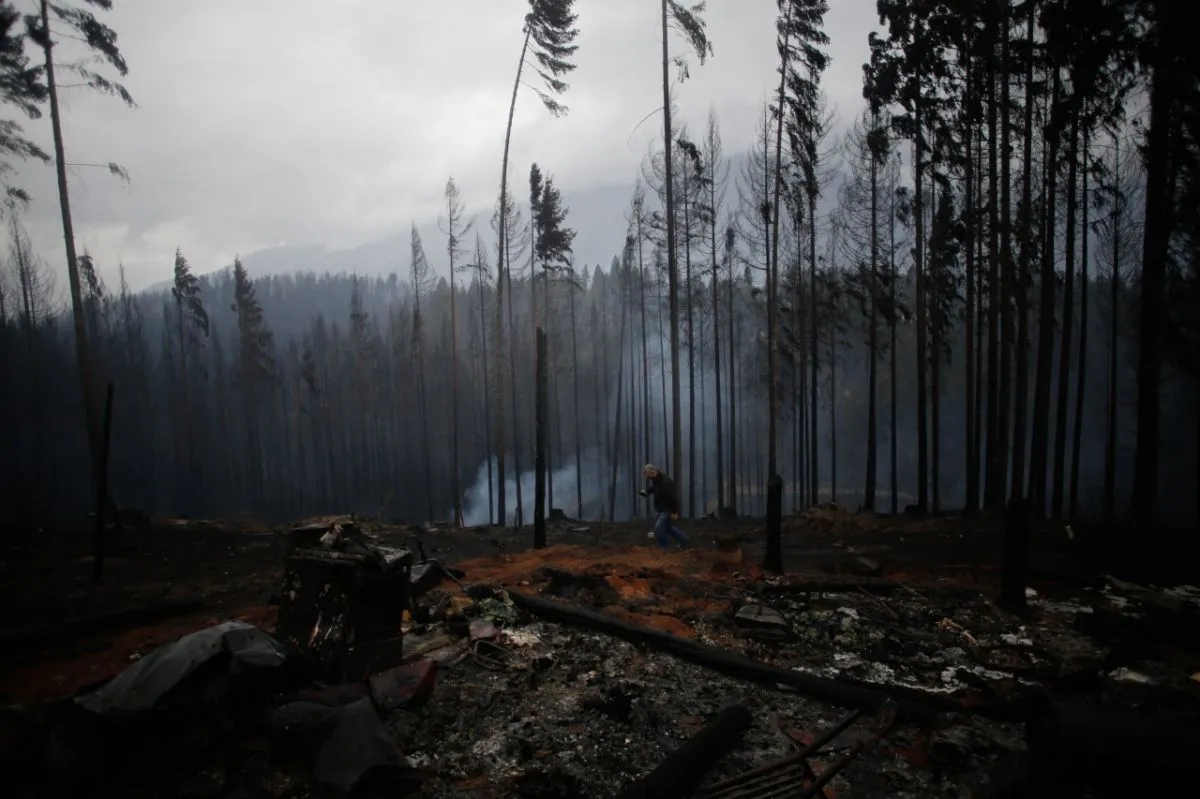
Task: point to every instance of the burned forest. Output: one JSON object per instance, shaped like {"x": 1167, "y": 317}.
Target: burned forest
{"x": 793, "y": 399}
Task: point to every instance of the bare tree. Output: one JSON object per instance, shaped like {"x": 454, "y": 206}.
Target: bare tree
{"x": 689, "y": 22}
{"x": 455, "y": 229}
{"x": 102, "y": 40}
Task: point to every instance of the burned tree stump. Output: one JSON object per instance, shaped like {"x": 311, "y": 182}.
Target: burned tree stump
{"x": 774, "y": 558}
{"x": 102, "y": 498}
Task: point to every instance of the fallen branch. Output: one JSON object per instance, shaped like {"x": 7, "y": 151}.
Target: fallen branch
{"x": 914, "y": 706}
{"x": 683, "y": 769}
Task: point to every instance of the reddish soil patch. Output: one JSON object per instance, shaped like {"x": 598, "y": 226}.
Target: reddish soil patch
{"x": 95, "y": 658}
{"x": 658, "y": 588}
{"x": 658, "y": 621}
{"x": 630, "y": 568}
{"x": 232, "y": 568}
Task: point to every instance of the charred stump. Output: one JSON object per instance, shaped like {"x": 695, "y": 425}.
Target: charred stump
{"x": 774, "y": 558}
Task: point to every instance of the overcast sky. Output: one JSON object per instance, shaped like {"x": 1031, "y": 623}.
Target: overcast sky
{"x": 289, "y": 122}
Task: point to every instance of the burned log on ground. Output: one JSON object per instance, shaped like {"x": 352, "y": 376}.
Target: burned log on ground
{"x": 683, "y": 769}
{"x": 913, "y": 705}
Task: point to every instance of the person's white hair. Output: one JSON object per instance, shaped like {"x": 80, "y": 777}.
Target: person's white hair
{"x": 649, "y": 467}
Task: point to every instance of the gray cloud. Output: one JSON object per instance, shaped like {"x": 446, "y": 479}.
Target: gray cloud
{"x": 293, "y": 122}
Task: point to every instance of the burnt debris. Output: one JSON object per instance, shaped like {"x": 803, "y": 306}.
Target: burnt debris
{"x": 581, "y": 673}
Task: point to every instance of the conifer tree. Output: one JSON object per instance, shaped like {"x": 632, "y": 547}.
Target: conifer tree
{"x": 255, "y": 372}
{"x": 82, "y": 24}
{"x": 689, "y": 22}
{"x": 22, "y": 87}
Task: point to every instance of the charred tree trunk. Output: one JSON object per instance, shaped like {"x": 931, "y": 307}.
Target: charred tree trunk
{"x": 1068, "y": 314}
{"x": 894, "y": 432}
{"x": 1004, "y": 392}
{"x": 691, "y": 346}
{"x": 993, "y": 497}
{"x": 873, "y": 346}
{"x": 733, "y": 404}
{"x": 646, "y": 417}
{"x": 501, "y": 506}
{"x": 616, "y": 436}
{"x": 1110, "y": 448}
{"x": 716, "y": 326}
{"x": 814, "y": 360}
{"x": 922, "y": 324}
{"x": 971, "y": 448}
{"x": 539, "y": 443}
{"x": 1020, "y": 441}
{"x": 575, "y": 396}
{"x": 1041, "y": 402}
{"x": 672, "y": 264}
{"x": 519, "y": 517}
{"x": 1081, "y": 365}
{"x": 1164, "y": 88}
{"x": 82, "y": 353}
{"x": 487, "y": 411}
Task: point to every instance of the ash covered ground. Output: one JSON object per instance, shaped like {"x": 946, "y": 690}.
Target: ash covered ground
{"x": 520, "y": 706}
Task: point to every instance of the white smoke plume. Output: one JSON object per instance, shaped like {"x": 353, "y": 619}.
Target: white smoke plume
{"x": 589, "y": 485}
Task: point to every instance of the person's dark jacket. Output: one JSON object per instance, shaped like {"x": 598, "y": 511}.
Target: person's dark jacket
{"x": 666, "y": 498}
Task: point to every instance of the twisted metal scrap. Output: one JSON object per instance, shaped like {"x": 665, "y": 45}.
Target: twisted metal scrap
{"x": 793, "y": 777}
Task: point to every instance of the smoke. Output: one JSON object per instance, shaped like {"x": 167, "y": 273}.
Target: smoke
{"x": 579, "y": 493}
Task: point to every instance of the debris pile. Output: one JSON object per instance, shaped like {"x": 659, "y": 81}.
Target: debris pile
{"x": 584, "y": 672}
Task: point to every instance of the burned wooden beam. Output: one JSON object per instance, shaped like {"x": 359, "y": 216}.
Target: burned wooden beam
{"x": 871, "y": 697}
{"x": 681, "y": 772}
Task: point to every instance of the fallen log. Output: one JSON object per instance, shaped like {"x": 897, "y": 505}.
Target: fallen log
{"x": 99, "y": 620}
{"x": 683, "y": 769}
{"x": 875, "y": 585}
{"x": 913, "y": 706}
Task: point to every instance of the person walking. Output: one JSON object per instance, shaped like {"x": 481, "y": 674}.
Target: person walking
{"x": 666, "y": 502}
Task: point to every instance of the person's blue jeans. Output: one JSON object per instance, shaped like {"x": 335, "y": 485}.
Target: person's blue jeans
{"x": 665, "y": 530}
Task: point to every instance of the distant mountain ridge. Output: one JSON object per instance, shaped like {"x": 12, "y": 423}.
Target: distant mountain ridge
{"x": 599, "y": 216}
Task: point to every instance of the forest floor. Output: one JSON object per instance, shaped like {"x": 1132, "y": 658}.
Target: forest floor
{"x": 902, "y": 602}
